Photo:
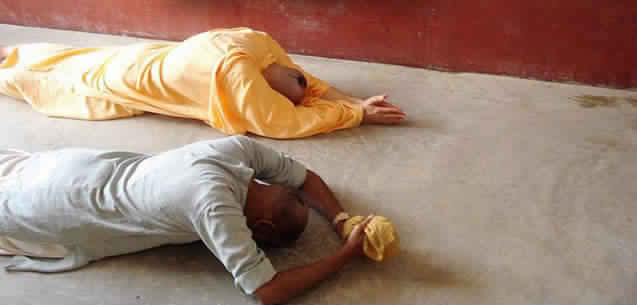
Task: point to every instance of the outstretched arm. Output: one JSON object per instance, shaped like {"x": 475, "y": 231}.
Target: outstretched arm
{"x": 321, "y": 198}
{"x": 334, "y": 94}
{"x": 376, "y": 109}
{"x": 243, "y": 101}
{"x": 275, "y": 167}
{"x": 290, "y": 283}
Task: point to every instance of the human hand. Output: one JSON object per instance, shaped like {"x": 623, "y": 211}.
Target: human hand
{"x": 378, "y": 111}
{"x": 356, "y": 239}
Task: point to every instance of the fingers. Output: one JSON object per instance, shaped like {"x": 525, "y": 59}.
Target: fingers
{"x": 389, "y": 110}
{"x": 384, "y": 103}
{"x": 390, "y": 105}
{"x": 385, "y": 118}
{"x": 367, "y": 220}
{"x": 376, "y": 99}
{"x": 389, "y": 115}
{"x": 379, "y": 111}
{"x": 391, "y": 119}
{"x": 361, "y": 226}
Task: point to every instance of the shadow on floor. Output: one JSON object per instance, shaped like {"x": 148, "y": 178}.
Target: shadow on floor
{"x": 429, "y": 270}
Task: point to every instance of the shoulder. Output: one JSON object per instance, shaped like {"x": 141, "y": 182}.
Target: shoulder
{"x": 220, "y": 145}
{"x": 215, "y": 197}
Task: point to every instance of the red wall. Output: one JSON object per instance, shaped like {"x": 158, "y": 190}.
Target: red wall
{"x": 588, "y": 41}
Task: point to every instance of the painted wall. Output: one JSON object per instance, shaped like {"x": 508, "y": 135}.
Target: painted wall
{"x": 588, "y": 41}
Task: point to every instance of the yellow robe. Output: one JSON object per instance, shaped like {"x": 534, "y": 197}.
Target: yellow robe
{"x": 214, "y": 77}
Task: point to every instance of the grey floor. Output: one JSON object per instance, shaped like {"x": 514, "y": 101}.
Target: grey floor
{"x": 504, "y": 191}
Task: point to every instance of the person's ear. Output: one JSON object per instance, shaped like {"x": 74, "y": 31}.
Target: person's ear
{"x": 263, "y": 230}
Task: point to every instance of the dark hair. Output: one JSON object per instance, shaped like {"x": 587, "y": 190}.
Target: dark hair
{"x": 302, "y": 81}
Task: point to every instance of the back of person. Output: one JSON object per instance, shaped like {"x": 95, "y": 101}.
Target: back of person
{"x": 87, "y": 186}
{"x": 104, "y": 202}
{"x": 170, "y": 78}
{"x": 216, "y": 77}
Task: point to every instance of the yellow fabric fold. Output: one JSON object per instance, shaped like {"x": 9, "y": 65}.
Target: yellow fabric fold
{"x": 381, "y": 240}
{"x": 214, "y": 77}
{"x": 49, "y": 78}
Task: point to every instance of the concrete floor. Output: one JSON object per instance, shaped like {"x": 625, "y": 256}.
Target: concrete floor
{"x": 504, "y": 191}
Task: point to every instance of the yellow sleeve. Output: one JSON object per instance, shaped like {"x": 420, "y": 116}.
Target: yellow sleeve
{"x": 242, "y": 101}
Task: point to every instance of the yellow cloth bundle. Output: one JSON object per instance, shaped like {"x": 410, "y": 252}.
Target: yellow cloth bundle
{"x": 381, "y": 242}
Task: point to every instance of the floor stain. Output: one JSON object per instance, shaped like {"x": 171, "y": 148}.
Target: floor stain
{"x": 608, "y": 144}
{"x": 632, "y": 100}
{"x": 592, "y": 101}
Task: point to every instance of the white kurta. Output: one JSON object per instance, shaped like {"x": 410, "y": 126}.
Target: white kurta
{"x": 96, "y": 204}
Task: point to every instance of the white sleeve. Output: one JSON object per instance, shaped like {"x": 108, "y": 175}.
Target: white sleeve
{"x": 222, "y": 228}
{"x": 272, "y": 166}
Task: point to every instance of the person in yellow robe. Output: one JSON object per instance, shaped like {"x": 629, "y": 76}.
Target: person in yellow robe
{"x": 236, "y": 80}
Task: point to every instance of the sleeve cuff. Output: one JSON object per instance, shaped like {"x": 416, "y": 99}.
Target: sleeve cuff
{"x": 319, "y": 88}
{"x": 298, "y": 172}
{"x": 250, "y": 281}
{"x": 358, "y": 113}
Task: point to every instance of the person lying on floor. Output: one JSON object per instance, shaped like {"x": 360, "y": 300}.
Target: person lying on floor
{"x": 66, "y": 208}
{"x": 236, "y": 80}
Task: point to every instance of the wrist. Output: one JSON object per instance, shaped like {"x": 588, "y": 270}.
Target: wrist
{"x": 366, "y": 114}
{"x": 338, "y": 222}
{"x": 356, "y": 100}
{"x": 339, "y": 227}
{"x": 346, "y": 253}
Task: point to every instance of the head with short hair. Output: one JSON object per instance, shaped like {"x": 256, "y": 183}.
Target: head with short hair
{"x": 288, "y": 81}
{"x": 276, "y": 214}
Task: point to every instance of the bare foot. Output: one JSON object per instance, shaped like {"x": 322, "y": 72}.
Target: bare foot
{"x": 4, "y": 52}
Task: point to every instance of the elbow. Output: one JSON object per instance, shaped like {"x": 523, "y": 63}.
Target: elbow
{"x": 262, "y": 301}
{"x": 313, "y": 178}
{"x": 264, "y": 298}
{"x": 274, "y": 292}
{"x": 265, "y": 302}
{"x": 266, "y": 294}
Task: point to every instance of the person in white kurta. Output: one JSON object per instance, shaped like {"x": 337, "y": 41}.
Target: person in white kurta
{"x": 81, "y": 205}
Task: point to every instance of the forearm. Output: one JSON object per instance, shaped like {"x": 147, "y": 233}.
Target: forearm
{"x": 320, "y": 196}
{"x": 333, "y": 94}
{"x": 290, "y": 283}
